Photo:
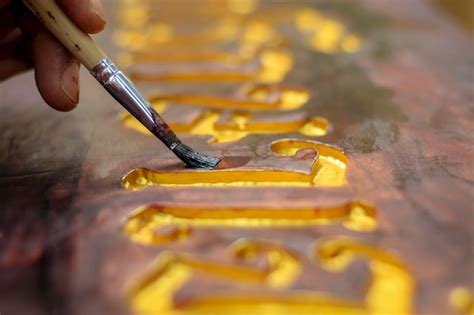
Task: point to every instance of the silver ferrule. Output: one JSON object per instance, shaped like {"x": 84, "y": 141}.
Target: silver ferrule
{"x": 125, "y": 92}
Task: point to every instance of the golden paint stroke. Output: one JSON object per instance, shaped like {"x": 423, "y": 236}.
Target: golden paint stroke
{"x": 224, "y": 126}
{"x": 390, "y": 276}
{"x": 241, "y": 56}
{"x": 238, "y": 126}
{"x": 155, "y": 292}
{"x": 254, "y": 97}
{"x": 328, "y": 170}
{"x": 322, "y": 33}
{"x": 325, "y": 34}
{"x": 248, "y": 37}
{"x": 272, "y": 67}
{"x": 462, "y": 300}
{"x": 161, "y": 224}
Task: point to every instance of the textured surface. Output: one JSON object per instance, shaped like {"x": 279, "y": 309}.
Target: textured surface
{"x": 400, "y": 107}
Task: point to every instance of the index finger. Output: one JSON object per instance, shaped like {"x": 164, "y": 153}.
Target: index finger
{"x": 88, "y": 15}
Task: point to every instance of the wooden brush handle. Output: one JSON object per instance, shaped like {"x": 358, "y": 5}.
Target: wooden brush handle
{"x": 75, "y": 40}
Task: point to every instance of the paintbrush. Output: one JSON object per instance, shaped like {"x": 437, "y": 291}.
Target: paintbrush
{"x": 114, "y": 81}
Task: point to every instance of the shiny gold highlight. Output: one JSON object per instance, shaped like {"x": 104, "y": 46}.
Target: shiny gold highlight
{"x": 390, "y": 291}
{"x": 153, "y": 293}
{"x": 328, "y": 170}
{"x": 225, "y": 126}
{"x": 161, "y": 224}
{"x": 390, "y": 276}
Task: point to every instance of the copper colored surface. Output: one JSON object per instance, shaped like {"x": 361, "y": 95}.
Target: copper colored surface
{"x": 394, "y": 230}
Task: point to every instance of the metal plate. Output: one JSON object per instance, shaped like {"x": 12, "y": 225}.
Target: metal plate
{"x": 367, "y": 210}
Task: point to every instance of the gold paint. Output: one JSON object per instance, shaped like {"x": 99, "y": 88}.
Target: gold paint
{"x": 133, "y": 16}
{"x": 153, "y": 293}
{"x": 254, "y": 97}
{"x": 247, "y": 51}
{"x": 327, "y": 37}
{"x": 238, "y": 125}
{"x": 390, "y": 290}
{"x": 462, "y": 301}
{"x": 258, "y": 34}
{"x": 242, "y": 6}
{"x": 141, "y": 232}
{"x": 297, "y": 303}
{"x": 159, "y": 33}
{"x": 205, "y": 56}
{"x": 145, "y": 223}
{"x": 323, "y": 33}
{"x": 351, "y": 44}
{"x": 249, "y": 36}
{"x": 283, "y": 265}
{"x": 162, "y": 35}
{"x": 306, "y": 20}
{"x": 392, "y": 287}
{"x": 192, "y": 76}
{"x": 254, "y": 40}
{"x": 273, "y": 66}
{"x": 330, "y": 167}
{"x": 326, "y": 34}
{"x": 328, "y": 170}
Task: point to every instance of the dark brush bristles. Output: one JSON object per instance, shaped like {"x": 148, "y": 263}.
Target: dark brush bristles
{"x": 195, "y": 159}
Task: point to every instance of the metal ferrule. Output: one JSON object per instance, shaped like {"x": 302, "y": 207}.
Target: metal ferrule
{"x": 125, "y": 92}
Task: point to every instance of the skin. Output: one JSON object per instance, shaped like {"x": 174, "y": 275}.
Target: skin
{"x": 26, "y": 44}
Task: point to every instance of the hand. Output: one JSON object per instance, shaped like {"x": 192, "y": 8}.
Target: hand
{"x": 25, "y": 43}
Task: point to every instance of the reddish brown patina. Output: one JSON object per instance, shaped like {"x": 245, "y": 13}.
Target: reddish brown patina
{"x": 400, "y": 109}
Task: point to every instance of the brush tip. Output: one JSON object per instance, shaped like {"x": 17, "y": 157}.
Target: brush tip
{"x": 194, "y": 159}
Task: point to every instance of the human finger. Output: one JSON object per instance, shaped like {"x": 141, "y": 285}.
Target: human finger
{"x": 88, "y": 15}
{"x": 56, "y": 72}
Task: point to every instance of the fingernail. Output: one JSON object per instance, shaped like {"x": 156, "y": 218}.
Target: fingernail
{"x": 97, "y": 9}
{"x": 70, "y": 81}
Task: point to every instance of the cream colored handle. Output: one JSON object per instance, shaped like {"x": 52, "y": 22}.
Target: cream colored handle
{"x": 76, "y": 41}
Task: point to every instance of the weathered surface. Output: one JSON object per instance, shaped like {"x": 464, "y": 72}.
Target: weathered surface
{"x": 400, "y": 108}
